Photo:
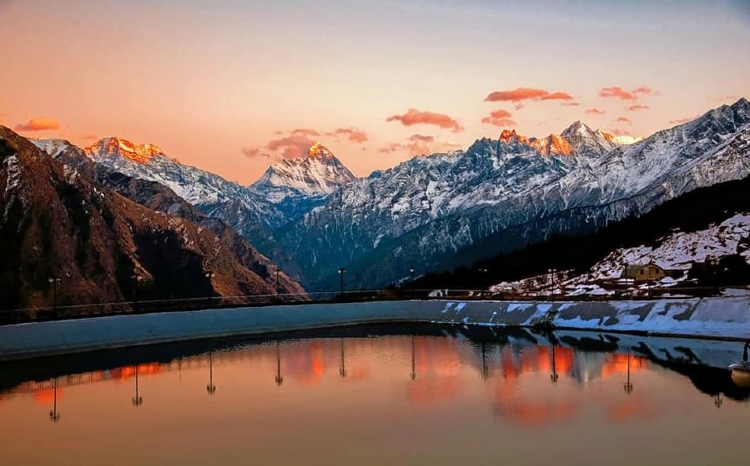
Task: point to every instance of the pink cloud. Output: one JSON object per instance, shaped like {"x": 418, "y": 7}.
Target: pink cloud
{"x": 520, "y": 105}
{"x": 38, "y": 124}
{"x": 620, "y": 132}
{"x": 570, "y": 104}
{"x": 622, "y": 119}
{"x": 643, "y": 90}
{"x": 88, "y": 137}
{"x": 635, "y": 108}
{"x": 417, "y": 117}
{"x": 352, "y": 134}
{"x": 595, "y": 111}
{"x": 421, "y": 138}
{"x": 681, "y": 121}
{"x": 500, "y": 118}
{"x": 526, "y": 93}
{"x": 617, "y": 92}
{"x": 293, "y": 145}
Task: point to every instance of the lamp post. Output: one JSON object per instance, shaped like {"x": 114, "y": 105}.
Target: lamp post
{"x": 137, "y": 399}
{"x": 411, "y": 273}
{"x": 53, "y": 414}
{"x": 136, "y": 280}
{"x": 210, "y": 276}
{"x": 54, "y": 281}
{"x": 628, "y": 387}
{"x": 279, "y": 379}
{"x": 342, "y": 271}
{"x": 277, "y": 281}
{"x": 342, "y": 369}
{"x": 210, "y": 388}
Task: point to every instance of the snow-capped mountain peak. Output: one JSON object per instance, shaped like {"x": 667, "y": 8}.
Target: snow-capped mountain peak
{"x": 320, "y": 151}
{"x": 114, "y": 146}
{"x": 318, "y": 174}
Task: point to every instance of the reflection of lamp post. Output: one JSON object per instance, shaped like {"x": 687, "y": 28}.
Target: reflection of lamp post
{"x": 54, "y": 415}
{"x": 54, "y": 281}
{"x": 553, "y": 376}
{"x": 342, "y": 271}
{"x": 279, "y": 379}
{"x": 342, "y": 369}
{"x": 411, "y": 274}
{"x": 485, "y": 370}
{"x": 718, "y": 401}
{"x": 138, "y": 399}
{"x": 210, "y": 276}
{"x": 210, "y": 388}
{"x": 277, "y": 281}
{"x": 628, "y": 386}
{"x": 413, "y": 362}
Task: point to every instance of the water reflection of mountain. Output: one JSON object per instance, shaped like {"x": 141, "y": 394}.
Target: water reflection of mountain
{"x": 435, "y": 369}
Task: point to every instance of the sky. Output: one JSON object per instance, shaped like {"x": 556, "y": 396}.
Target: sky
{"x": 234, "y": 86}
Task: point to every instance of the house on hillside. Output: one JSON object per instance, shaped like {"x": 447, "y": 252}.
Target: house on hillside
{"x": 643, "y": 272}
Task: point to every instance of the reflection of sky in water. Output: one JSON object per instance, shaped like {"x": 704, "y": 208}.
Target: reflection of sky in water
{"x": 401, "y": 400}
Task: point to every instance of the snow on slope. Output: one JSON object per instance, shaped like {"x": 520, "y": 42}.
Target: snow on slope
{"x": 676, "y": 251}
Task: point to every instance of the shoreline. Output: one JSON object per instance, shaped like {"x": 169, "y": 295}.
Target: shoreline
{"x": 726, "y": 318}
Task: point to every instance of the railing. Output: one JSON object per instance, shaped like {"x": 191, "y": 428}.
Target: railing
{"x": 38, "y": 314}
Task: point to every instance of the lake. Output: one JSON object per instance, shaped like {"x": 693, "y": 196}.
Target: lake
{"x": 382, "y": 395}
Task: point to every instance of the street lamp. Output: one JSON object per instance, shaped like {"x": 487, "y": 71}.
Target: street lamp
{"x": 277, "y": 281}
{"x": 136, "y": 279}
{"x": 54, "y": 281}
{"x": 137, "y": 399}
{"x": 411, "y": 273}
{"x": 210, "y": 276}
{"x": 210, "y": 388}
{"x": 342, "y": 271}
{"x": 54, "y": 415}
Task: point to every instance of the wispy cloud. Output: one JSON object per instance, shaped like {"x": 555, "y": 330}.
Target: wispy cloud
{"x": 419, "y": 144}
{"x": 681, "y": 120}
{"x": 570, "y": 104}
{"x": 619, "y": 93}
{"x": 637, "y": 107}
{"x": 352, "y": 134}
{"x": 500, "y": 118}
{"x": 38, "y": 124}
{"x": 293, "y": 145}
{"x": 526, "y": 93}
{"x": 595, "y": 111}
{"x": 623, "y": 119}
{"x": 418, "y": 117}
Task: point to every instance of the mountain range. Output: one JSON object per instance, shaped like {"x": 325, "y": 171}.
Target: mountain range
{"x": 59, "y": 222}
{"x": 311, "y": 215}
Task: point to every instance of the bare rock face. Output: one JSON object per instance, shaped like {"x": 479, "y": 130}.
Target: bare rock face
{"x": 57, "y": 222}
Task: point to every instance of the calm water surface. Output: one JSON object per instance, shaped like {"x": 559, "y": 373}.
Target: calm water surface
{"x": 440, "y": 397}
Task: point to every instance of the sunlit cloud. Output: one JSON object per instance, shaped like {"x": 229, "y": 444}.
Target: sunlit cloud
{"x": 417, "y": 117}
{"x": 623, "y": 119}
{"x": 594, "y": 111}
{"x": 419, "y": 144}
{"x": 352, "y": 134}
{"x": 294, "y": 145}
{"x": 526, "y": 93}
{"x": 620, "y": 93}
{"x": 520, "y": 105}
{"x": 570, "y": 104}
{"x": 635, "y": 108}
{"x": 38, "y": 124}
{"x": 500, "y": 118}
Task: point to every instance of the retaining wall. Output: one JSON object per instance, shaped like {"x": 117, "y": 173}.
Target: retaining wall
{"x": 713, "y": 317}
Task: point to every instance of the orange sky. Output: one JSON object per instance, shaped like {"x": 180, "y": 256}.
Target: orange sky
{"x": 235, "y": 87}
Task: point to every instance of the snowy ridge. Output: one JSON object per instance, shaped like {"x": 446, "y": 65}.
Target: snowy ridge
{"x": 430, "y": 208}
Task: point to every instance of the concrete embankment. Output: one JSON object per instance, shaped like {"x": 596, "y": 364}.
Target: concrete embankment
{"x": 714, "y": 317}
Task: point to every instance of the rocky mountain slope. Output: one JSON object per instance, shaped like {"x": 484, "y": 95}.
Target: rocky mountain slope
{"x": 286, "y": 191}
{"x": 58, "y": 223}
{"x": 447, "y": 210}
